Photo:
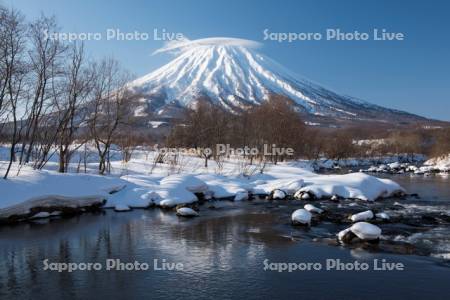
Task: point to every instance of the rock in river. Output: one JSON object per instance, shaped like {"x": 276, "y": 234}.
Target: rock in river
{"x": 363, "y": 230}
{"x": 186, "y": 212}
{"x": 313, "y": 209}
{"x": 301, "y": 217}
{"x": 362, "y": 216}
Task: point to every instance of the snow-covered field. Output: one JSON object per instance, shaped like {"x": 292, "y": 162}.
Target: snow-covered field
{"x": 141, "y": 183}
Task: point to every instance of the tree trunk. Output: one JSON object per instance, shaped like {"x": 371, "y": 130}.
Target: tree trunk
{"x": 62, "y": 161}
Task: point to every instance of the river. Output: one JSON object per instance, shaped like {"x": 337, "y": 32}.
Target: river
{"x": 221, "y": 254}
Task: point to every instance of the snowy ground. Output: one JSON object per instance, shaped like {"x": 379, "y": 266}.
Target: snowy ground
{"x": 140, "y": 183}
{"x": 441, "y": 163}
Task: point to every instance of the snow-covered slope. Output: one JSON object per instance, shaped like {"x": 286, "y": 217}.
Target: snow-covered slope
{"x": 231, "y": 73}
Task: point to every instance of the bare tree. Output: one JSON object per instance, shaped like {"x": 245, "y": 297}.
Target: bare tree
{"x": 76, "y": 85}
{"x": 12, "y": 75}
{"x": 45, "y": 61}
{"x": 111, "y": 101}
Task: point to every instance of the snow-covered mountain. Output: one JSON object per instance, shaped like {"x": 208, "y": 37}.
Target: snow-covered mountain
{"x": 232, "y": 74}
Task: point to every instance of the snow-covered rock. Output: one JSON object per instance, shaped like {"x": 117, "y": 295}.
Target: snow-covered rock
{"x": 301, "y": 216}
{"x": 366, "y": 231}
{"x": 362, "y": 230}
{"x": 41, "y": 215}
{"x": 394, "y": 165}
{"x": 278, "y": 194}
{"x": 341, "y": 235}
{"x": 382, "y": 168}
{"x": 302, "y": 195}
{"x": 311, "y": 208}
{"x": 121, "y": 208}
{"x": 240, "y": 196}
{"x": 362, "y": 216}
{"x": 441, "y": 163}
{"x": 382, "y": 215}
{"x": 287, "y": 185}
{"x": 412, "y": 168}
{"x": 186, "y": 212}
{"x": 356, "y": 185}
{"x": 372, "y": 169}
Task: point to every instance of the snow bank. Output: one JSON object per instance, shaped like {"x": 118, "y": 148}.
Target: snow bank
{"x": 288, "y": 186}
{"x": 32, "y": 185}
{"x": 144, "y": 191}
{"x": 441, "y": 163}
{"x": 134, "y": 197}
{"x": 47, "y": 190}
{"x": 395, "y": 160}
{"x": 179, "y": 189}
{"x": 434, "y": 165}
{"x": 226, "y": 187}
{"x": 355, "y": 185}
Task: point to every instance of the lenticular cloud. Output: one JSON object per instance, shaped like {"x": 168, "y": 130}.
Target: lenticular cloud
{"x": 186, "y": 44}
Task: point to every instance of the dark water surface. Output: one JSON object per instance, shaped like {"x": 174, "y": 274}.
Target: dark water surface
{"x": 222, "y": 253}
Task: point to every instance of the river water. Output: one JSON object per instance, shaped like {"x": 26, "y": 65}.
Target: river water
{"x": 220, "y": 254}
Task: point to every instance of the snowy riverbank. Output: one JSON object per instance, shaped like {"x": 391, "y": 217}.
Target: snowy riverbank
{"x": 46, "y": 192}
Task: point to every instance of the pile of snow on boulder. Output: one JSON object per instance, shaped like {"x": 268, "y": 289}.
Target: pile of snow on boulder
{"x": 301, "y": 217}
{"x": 362, "y": 230}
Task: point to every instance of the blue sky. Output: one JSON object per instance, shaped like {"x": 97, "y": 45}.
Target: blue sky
{"x": 411, "y": 75}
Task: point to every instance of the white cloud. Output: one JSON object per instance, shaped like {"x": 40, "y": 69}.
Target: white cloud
{"x": 183, "y": 45}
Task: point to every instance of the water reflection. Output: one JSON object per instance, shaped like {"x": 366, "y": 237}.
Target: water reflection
{"x": 222, "y": 252}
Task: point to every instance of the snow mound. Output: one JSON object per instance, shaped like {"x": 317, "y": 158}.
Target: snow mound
{"x": 362, "y": 216}
{"x": 383, "y": 216}
{"x": 41, "y": 215}
{"x": 313, "y": 209}
{"x": 179, "y": 189}
{"x": 278, "y": 194}
{"x": 121, "y": 208}
{"x": 355, "y": 186}
{"x": 240, "y": 196}
{"x": 366, "y": 231}
{"x": 288, "y": 186}
{"x": 133, "y": 196}
{"x": 301, "y": 216}
{"x": 441, "y": 163}
{"x": 186, "y": 212}
{"x": 226, "y": 187}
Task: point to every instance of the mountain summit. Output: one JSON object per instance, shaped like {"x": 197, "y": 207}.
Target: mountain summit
{"x": 231, "y": 73}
